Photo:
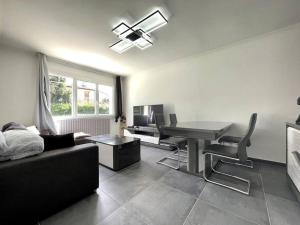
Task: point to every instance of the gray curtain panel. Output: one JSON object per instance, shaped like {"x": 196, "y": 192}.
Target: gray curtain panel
{"x": 119, "y": 102}
{"x": 44, "y": 120}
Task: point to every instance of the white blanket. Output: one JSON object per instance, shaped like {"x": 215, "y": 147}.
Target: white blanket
{"x": 3, "y": 145}
{"x": 21, "y": 143}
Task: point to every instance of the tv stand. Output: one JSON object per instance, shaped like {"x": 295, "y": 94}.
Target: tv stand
{"x": 149, "y": 136}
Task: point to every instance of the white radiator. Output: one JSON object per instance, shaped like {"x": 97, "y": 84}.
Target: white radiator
{"x": 93, "y": 125}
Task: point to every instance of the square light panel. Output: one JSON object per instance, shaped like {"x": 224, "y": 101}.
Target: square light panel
{"x": 151, "y": 23}
{"x": 120, "y": 28}
{"x": 142, "y": 43}
{"x": 121, "y": 46}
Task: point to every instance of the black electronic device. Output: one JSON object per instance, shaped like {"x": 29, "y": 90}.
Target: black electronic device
{"x": 143, "y": 115}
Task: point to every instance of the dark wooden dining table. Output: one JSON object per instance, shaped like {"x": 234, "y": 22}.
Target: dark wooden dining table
{"x": 195, "y": 131}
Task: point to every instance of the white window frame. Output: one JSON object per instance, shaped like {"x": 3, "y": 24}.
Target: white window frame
{"x": 74, "y": 100}
{"x": 111, "y": 105}
{"x": 72, "y": 105}
{"x": 95, "y": 103}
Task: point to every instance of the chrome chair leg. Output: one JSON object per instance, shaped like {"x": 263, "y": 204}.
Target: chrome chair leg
{"x": 184, "y": 155}
{"x": 166, "y": 164}
{"x": 240, "y": 164}
{"x": 183, "y": 161}
{"x": 183, "y": 151}
{"x": 171, "y": 158}
{"x": 224, "y": 174}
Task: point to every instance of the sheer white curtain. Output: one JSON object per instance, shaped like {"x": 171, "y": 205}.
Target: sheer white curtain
{"x": 44, "y": 120}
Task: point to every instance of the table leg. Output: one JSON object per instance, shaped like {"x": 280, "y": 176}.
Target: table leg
{"x": 207, "y": 165}
{"x": 202, "y": 146}
{"x": 193, "y": 156}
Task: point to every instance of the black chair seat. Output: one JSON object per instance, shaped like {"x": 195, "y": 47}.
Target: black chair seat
{"x": 232, "y": 139}
{"x": 223, "y": 150}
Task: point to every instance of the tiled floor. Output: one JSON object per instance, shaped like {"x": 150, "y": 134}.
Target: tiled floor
{"x": 150, "y": 194}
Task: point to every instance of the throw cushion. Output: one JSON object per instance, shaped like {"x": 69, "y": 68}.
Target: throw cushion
{"x": 13, "y": 126}
{"x": 80, "y": 135}
{"x": 52, "y": 142}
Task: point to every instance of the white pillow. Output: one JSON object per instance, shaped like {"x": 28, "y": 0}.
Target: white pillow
{"x": 3, "y": 145}
{"x": 34, "y": 130}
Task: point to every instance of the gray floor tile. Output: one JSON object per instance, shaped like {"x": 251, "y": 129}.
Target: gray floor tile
{"x": 147, "y": 193}
{"x": 128, "y": 183}
{"x": 105, "y": 173}
{"x": 206, "y": 214}
{"x": 122, "y": 217}
{"x": 283, "y": 211}
{"x": 144, "y": 168}
{"x": 153, "y": 154}
{"x": 90, "y": 211}
{"x": 161, "y": 205}
{"x": 275, "y": 181}
{"x": 187, "y": 183}
{"x": 252, "y": 207}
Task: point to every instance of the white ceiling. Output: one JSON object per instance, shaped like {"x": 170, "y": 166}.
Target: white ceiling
{"x": 80, "y": 30}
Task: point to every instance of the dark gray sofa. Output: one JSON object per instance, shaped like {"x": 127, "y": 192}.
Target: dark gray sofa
{"x": 34, "y": 188}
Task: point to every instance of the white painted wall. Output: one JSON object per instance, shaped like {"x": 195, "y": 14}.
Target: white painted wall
{"x": 260, "y": 75}
{"x": 1, "y": 15}
{"x": 80, "y": 72}
{"x": 18, "y": 85}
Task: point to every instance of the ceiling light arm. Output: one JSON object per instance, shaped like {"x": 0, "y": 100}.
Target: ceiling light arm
{"x": 147, "y": 17}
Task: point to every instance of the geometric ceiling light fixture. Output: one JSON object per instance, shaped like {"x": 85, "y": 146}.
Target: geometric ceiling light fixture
{"x": 138, "y": 34}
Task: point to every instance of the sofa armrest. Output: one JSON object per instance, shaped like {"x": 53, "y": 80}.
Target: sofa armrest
{"x": 36, "y": 187}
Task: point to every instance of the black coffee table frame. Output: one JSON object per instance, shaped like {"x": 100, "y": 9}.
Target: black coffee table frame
{"x": 117, "y": 152}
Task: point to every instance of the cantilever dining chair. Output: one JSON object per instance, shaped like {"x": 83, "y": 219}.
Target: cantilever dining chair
{"x": 173, "y": 118}
{"x": 173, "y": 121}
{"x": 175, "y": 142}
{"x": 235, "y": 153}
{"x": 235, "y": 140}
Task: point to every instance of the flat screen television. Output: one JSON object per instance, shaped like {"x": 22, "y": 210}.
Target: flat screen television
{"x": 143, "y": 115}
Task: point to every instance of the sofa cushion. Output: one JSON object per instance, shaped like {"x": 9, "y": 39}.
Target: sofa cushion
{"x": 52, "y": 142}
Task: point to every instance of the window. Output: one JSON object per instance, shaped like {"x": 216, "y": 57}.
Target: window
{"x": 61, "y": 95}
{"x": 86, "y": 98}
{"x": 105, "y": 99}
{"x": 72, "y": 97}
